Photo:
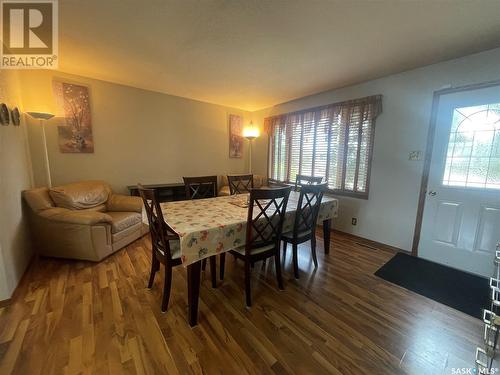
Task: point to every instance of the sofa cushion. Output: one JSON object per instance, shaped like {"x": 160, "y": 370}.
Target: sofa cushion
{"x": 118, "y": 202}
{"x": 123, "y": 220}
{"x": 129, "y": 232}
{"x": 81, "y": 195}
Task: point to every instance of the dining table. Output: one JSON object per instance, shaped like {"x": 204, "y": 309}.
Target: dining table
{"x": 212, "y": 226}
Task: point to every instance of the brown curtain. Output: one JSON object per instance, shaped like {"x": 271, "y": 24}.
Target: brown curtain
{"x": 374, "y": 103}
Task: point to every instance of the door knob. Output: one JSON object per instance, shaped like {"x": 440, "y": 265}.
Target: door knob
{"x": 432, "y": 193}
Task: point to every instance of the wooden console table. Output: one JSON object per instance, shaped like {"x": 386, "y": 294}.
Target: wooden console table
{"x": 166, "y": 192}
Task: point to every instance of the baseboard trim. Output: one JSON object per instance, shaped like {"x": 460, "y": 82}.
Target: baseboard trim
{"x": 371, "y": 244}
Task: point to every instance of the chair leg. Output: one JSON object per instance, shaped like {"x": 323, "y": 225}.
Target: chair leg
{"x": 213, "y": 270}
{"x": 313, "y": 251}
{"x": 263, "y": 265}
{"x": 203, "y": 264}
{"x": 222, "y": 265}
{"x": 284, "y": 248}
{"x": 295, "y": 261}
{"x": 166, "y": 288}
{"x": 277, "y": 263}
{"x": 155, "y": 266}
{"x": 247, "y": 283}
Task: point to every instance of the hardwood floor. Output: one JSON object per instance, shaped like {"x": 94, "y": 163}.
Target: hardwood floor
{"x": 80, "y": 318}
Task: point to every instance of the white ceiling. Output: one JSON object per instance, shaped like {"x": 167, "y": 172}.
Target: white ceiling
{"x": 253, "y": 54}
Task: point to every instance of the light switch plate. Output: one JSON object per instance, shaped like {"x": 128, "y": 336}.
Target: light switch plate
{"x": 415, "y": 155}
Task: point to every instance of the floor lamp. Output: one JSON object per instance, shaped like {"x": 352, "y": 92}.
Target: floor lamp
{"x": 43, "y": 117}
{"x": 250, "y": 133}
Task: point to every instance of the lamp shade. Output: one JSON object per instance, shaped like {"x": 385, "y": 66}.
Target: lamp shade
{"x": 251, "y": 131}
{"x": 40, "y": 115}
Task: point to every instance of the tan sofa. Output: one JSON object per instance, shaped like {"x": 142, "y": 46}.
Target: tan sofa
{"x": 258, "y": 181}
{"x": 84, "y": 220}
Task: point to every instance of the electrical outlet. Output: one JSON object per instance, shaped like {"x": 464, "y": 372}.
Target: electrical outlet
{"x": 354, "y": 221}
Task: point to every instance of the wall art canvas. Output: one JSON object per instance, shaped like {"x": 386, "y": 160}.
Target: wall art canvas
{"x": 235, "y": 136}
{"x": 73, "y": 102}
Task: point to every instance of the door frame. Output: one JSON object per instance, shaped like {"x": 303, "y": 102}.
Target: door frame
{"x": 428, "y": 152}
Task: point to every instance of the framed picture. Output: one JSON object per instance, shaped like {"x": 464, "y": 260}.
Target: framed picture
{"x": 73, "y": 101}
{"x": 235, "y": 136}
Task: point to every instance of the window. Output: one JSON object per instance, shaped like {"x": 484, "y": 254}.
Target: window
{"x": 334, "y": 141}
{"x": 473, "y": 156}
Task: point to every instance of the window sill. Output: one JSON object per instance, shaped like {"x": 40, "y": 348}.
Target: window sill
{"x": 350, "y": 194}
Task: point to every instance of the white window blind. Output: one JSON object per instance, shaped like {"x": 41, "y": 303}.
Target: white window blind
{"x": 334, "y": 142}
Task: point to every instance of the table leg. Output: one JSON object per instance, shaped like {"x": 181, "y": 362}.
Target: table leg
{"x": 193, "y": 277}
{"x": 222, "y": 265}
{"x": 213, "y": 270}
{"x": 327, "y": 224}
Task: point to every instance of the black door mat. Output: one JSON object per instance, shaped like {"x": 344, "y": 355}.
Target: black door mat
{"x": 457, "y": 289}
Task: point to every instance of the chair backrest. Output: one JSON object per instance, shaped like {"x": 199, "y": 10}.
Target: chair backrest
{"x": 301, "y": 179}
{"x": 157, "y": 226}
{"x": 308, "y": 206}
{"x": 266, "y": 214}
{"x": 201, "y": 187}
{"x": 240, "y": 184}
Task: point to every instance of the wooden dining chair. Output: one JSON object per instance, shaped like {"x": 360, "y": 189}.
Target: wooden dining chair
{"x": 240, "y": 184}
{"x": 200, "y": 188}
{"x": 266, "y": 214}
{"x": 165, "y": 243}
{"x": 301, "y": 179}
{"x": 304, "y": 227}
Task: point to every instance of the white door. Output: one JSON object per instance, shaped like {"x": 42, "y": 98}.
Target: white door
{"x": 461, "y": 220}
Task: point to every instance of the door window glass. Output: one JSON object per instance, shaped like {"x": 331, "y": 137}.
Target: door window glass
{"x": 473, "y": 155}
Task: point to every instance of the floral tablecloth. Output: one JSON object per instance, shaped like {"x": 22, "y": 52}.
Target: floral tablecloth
{"x": 211, "y": 226}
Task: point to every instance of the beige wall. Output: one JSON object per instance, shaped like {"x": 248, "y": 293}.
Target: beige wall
{"x": 15, "y": 176}
{"x": 389, "y": 215}
{"x": 139, "y": 135}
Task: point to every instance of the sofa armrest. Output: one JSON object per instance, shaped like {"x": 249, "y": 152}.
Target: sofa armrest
{"x": 124, "y": 203}
{"x": 65, "y": 215}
